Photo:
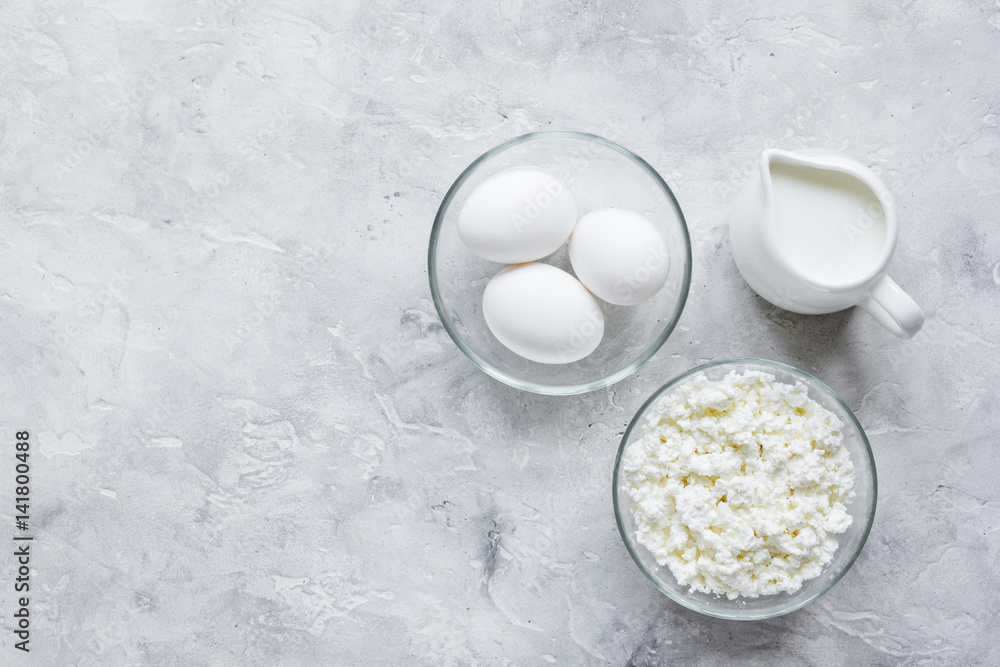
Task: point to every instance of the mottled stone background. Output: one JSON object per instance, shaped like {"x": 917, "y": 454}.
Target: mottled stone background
{"x": 255, "y": 444}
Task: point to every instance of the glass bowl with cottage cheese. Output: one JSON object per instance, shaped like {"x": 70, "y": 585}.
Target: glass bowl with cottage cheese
{"x": 744, "y": 489}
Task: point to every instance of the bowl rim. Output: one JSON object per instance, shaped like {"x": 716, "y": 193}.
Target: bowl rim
{"x": 809, "y": 379}
{"x": 493, "y": 371}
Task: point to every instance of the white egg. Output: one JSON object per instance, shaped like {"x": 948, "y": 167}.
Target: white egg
{"x": 619, "y": 255}
{"x": 543, "y": 314}
{"x": 517, "y": 215}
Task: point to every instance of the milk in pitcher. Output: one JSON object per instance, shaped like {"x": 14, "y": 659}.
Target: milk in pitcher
{"x": 830, "y": 226}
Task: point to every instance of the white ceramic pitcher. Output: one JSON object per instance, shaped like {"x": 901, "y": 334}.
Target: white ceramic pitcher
{"x": 777, "y": 255}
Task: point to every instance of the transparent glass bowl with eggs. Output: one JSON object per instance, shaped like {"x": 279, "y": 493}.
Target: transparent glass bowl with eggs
{"x": 610, "y": 327}
{"x": 849, "y": 543}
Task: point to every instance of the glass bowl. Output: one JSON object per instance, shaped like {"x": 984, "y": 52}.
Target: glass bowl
{"x": 601, "y": 174}
{"x": 850, "y": 543}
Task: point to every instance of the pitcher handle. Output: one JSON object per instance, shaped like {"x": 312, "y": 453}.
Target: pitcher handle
{"x": 893, "y": 308}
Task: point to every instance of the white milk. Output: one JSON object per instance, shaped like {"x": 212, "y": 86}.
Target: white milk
{"x": 830, "y": 225}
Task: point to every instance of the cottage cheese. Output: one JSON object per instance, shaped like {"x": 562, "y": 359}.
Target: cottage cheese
{"x": 739, "y": 485}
